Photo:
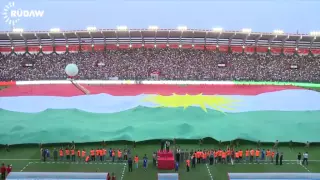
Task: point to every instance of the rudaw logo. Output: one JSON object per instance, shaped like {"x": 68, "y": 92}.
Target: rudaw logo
{"x": 13, "y": 15}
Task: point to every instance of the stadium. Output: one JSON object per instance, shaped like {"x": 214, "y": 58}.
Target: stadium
{"x": 82, "y": 104}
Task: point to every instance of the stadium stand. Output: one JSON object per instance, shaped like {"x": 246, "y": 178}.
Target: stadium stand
{"x": 173, "y": 64}
{"x": 174, "y": 55}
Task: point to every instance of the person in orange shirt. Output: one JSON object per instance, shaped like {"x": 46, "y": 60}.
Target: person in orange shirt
{"x": 257, "y": 155}
{"x": 97, "y": 154}
{"x": 240, "y": 155}
{"x": 215, "y": 156}
{"x": 251, "y": 155}
{"x": 188, "y": 165}
{"x": 101, "y": 154}
{"x": 272, "y": 156}
{"x": 223, "y": 157}
{"x": 228, "y": 155}
{"x": 204, "y": 157}
{"x": 73, "y": 155}
{"x": 268, "y": 153}
{"x": 236, "y": 154}
{"x": 119, "y": 155}
{"x": 198, "y": 155}
{"x": 79, "y": 154}
{"x": 92, "y": 154}
{"x": 87, "y": 159}
{"x": 219, "y": 155}
{"x": 104, "y": 153}
{"x": 61, "y": 154}
{"x": 68, "y": 154}
{"x": 113, "y": 155}
{"x": 83, "y": 154}
{"x": 136, "y": 161}
{"x": 247, "y": 155}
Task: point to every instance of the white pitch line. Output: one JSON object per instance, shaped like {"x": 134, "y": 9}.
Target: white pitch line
{"x": 305, "y": 167}
{"x": 124, "y": 169}
{"x": 209, "y": 172}
{"x": 25, "y": 166}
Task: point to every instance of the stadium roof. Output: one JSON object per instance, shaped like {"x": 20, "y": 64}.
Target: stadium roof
{"x": 134, "y": 36}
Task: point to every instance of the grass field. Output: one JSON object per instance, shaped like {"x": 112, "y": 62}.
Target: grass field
{"x": 28, "y": 160}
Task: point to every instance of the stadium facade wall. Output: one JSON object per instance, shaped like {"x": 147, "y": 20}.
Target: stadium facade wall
{"x": 101, "y": 47}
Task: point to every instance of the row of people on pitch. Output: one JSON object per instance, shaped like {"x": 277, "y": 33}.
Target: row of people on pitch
{"x": 224, "y": 156}
{"x": 95, "y": 155}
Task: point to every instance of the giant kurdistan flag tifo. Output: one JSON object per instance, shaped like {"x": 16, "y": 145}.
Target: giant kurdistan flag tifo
{"x": 62, "y": 113}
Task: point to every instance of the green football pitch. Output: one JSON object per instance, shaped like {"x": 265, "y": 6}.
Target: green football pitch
{"x": 27, "y": 159}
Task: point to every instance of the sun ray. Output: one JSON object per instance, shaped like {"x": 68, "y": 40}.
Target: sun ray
{"x": 218, "y": 103}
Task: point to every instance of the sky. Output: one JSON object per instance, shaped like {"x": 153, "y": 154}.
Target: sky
{"x": 260, "y": 15}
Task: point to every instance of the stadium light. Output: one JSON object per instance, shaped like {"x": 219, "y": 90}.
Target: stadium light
{"x": 12, "y": 47}
{"x": 246, "y": 30}
{"x": 182, "y": 28}
{"x": 91, "y": 28}
{"x": 122, "y": 28}
{"x": 278, "y": 31}
{"x": 217, "y": 29}
{"x": 315, "y": 33}
{"x": 130, "y": 46}
{"x": 40, "y": 47}
{"x": 18, "y": 30}
{"x": 54, "y": 30}
{"x": 153, "y": 28}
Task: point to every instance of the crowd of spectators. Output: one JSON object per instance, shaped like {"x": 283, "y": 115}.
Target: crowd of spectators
{"x": 171, "y": 64}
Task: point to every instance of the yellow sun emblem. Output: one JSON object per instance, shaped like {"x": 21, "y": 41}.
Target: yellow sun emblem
{"x": 218, "y": 103}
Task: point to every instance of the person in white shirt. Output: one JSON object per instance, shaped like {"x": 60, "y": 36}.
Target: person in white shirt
{"x": 305, "y": 158}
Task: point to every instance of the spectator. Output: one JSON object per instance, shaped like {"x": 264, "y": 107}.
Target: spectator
{"x": 171, "y": 64}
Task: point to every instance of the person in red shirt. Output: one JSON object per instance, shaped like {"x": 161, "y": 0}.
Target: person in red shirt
{"x": 9, "y": 169}
{"x": 108, "y": 177}
{"x": 113, "y": 177}
{"x": 3, "y": 170}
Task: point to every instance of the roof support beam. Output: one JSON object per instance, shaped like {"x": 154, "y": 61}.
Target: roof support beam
{"x": 192, "y": 40}
{"x": 231, "y": 37}
{"x": 218, "y": 39}
{"x": 52, "y": 39}
{"x": 180, "y": 38}
{"x": 92, "y": 43}
{"x": 117, "y": 37}
{"x": 271, "y": 39}
{"x": 155, "y": 37}
{"x": 168, "y": 37}
{"x": 257, "y": 40}
{"x": 245, "y": 39}
{"x": 285, "y": 39}
{"x": 298, "y": 41}
{"x": 311, "y": 43}
{"x": 142, "y": 38}
{"x": 38, "y": 38}
{"x": 24, "y": 39}
{"x": 79, "y": 38}
{"x": 104, "y": 38}
{"x": 66, "y": 38}
{"x": 205, "y": 39}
